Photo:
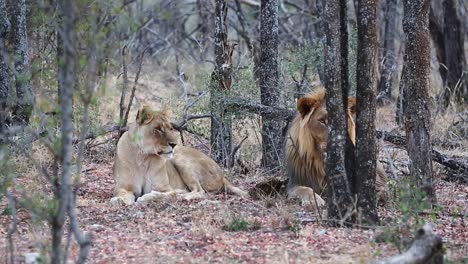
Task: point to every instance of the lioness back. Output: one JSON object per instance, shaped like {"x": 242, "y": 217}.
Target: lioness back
{"x": 188, "y": 160}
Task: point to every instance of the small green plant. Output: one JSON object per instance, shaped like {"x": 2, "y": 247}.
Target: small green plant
{"x": 238, "y": 224}
{"x": 410, "y": 203}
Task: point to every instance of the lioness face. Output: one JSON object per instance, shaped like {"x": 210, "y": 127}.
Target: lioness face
{"x": 313, "y": 110}
{"x": 157, "y": 135}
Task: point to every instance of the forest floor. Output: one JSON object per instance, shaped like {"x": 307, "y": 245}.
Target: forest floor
{"x": 271, "y": 230}
{"x": 228, "y": 229}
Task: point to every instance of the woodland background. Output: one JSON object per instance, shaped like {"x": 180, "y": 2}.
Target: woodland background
{"x": 73, "y": 74}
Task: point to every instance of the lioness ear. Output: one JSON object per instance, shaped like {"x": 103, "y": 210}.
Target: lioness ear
{"x": 145, "y": 115}
{"x": 167, "y": 113}
{"x": 352, "y": 104}
{"x": 305, "y": 104}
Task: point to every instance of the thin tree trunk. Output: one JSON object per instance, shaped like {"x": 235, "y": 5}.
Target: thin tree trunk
{"x": 350, "y": 158}
{"x": 388, "y": 73}
{"x": 4, "y": 69}
{"x": 339, "y": 198}
{"x": 457, "y": 79}
{"x": 268, "y": 78}
{"x": 24, "y": 93}
{"x": 366, "y": 146}
{"x": 221, "y": 135}
{"x": 66, "y": 81}
{"x": 415, "y": 86}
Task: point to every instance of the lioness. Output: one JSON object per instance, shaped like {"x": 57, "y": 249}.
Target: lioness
{"x": 150, "y": 165}
{"x": 306, "y": 147}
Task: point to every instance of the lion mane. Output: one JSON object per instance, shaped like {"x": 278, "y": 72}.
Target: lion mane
{"x": 150, "y": 164}
{"x": 306, "y": 148}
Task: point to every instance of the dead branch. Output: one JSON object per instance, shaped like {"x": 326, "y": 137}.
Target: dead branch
{"x": 243, "y": 105}
{"x": 426, "y": 248}
{"x": 132, "y": 95}
{"x": 235, "y": 150}
{"x": 125, "y": 85}
{"x": 456, "y": 164}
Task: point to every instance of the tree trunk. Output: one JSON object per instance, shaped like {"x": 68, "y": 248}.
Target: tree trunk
{"x": 447, "y": 32}
{"x": 221, "y": 136}
{"x": 366, "y": 146}
{"x": 350, "y": 157}
{"x": 4, "y": 69}
{"x": 339, "y": 195}
{"x": 66, "y": 82}
{"x": 24, "y": 93}
{"x": 456, "y": 84}
{"x": 388, "y": 73}
{"x": 272, "y": 143}
{"x": 415, "y": 87}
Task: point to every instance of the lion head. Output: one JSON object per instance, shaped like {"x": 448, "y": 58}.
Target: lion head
{"x": 307, "y": 140}
{"x": 156, "y": 135}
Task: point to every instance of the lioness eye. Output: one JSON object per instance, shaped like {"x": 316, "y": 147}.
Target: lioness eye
{"x": 322, "y": 121}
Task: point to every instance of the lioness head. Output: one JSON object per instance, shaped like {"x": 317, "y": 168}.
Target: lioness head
{"x": 155, "y": 132}
{"x": 313, "y": 111}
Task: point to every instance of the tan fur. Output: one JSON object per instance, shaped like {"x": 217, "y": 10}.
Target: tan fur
{"x": 149, "y": 165}
{"x": 306, "y": 145}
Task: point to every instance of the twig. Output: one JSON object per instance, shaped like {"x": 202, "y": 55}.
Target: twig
{"x": 135, "y": 82}
{"x": 12, "y": 227}
{"x": 235, "y": 150}
{"x": 125, "y": 86}
{"x": 84, "y": 240}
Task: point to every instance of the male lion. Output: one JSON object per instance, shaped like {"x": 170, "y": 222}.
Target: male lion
{"x": 306, "y": 146}
{"x": 149, "y": 165}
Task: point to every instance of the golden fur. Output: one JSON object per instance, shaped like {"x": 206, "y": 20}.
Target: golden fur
{"x": 306, "y": 146}
{"x": 150, "y": 165}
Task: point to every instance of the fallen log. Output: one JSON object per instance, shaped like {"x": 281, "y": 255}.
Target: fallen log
{"x": 426, "y": 248}
{"x": 459, "y": 166}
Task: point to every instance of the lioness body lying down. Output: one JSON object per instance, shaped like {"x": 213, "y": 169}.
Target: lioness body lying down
{"x": 306, "y": 147}
{"x": 149, "y": 165}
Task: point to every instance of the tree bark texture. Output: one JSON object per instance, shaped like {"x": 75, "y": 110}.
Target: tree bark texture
{"x": 390, "y": 56}
{"x": 221, "y": 135}
{"x": 272, "y": 142}
{"x": 366, "y": 146}
{"x": 66, "y": 82}
{"x": 4, "y": 69}
{"x": 350, "y": 157}
{"x": 19, "y": 39}
{"x": 415, "y": 87}
{"x": 339, "y": 196}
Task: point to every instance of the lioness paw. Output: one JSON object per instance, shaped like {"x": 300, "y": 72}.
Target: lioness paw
{"x": 156, "y": 196}
{"x": 120, "y": 201}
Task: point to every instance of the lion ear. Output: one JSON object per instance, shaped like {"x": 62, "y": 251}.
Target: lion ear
{"x": 352, "y": 104}
{"x": 144, "y": 115}
{"x": 305, "y": 105}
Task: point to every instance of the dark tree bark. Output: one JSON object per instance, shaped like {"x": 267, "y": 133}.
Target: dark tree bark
{"x": 19, "y": 39}
{"x": 388, "y": 73}
{"x": 339, "y": 194}
{"x": 221, "y": 136}
{"x": 447, "y": 32}
{"x": 457, "y": 82}
{"x": 4, "y": 69}
{"x": 415, "y": 87}
{"x": 350, "y": 157}
{"x": 268, "y": 78}
{"x": 366, "y": 146}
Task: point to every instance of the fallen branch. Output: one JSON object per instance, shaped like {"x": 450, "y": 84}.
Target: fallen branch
{"x": 259, "y": 109}
{"x": 455, "y": 164}
{"x": 426, "y": 248}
